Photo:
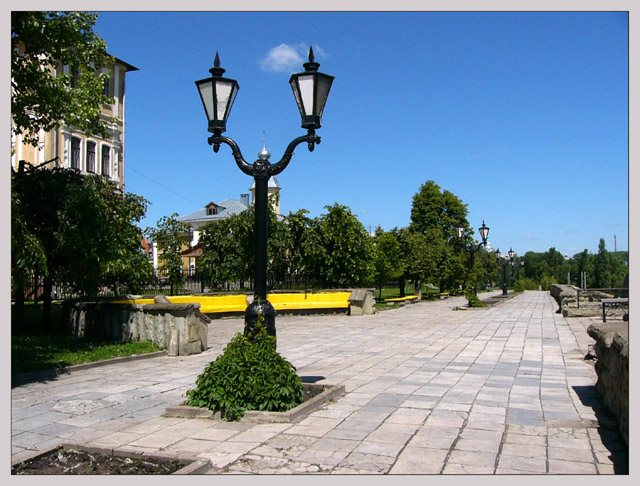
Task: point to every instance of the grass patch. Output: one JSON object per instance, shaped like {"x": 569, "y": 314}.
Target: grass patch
{"x": 39, "y": 353}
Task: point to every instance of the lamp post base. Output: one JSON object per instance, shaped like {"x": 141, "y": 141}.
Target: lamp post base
{"x": 259, "y": 310}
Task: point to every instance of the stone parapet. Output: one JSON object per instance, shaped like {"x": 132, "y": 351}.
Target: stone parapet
{"x": 179, "y": 328}
{"x": 612, "y": 367}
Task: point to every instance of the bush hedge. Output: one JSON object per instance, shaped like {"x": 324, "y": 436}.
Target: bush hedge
{"x": 249, "y": 375}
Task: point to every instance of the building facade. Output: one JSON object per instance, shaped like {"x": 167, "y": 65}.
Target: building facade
{"x": 69, "y": 147}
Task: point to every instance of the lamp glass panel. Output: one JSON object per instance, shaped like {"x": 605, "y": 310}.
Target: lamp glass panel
{"x": 224, "y": 92}
{"x": 306, "y": 83}
{"x": 206, "y": 93}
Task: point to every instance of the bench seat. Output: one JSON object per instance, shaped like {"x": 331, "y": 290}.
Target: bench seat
{"x": 317, "y": 300}
{"x": 408, "y": 298}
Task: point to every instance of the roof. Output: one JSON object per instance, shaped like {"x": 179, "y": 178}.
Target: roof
{"x": 229, "y": 208}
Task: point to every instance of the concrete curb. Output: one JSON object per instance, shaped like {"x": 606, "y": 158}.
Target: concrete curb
{"x": 195, "y": 466}
{"x": 254, "y": 416}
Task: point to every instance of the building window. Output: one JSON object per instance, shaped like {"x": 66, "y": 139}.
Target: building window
{"x": 91, "y": 156}
{"x": 75, "y": 153}
{"x": 106, "y": 88}
{"x": 74, "y": 76}
{"x": 106, "y": 159}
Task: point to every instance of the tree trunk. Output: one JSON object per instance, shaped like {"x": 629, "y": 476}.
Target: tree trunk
{"x": 17, "y": 311}
{"x": 47, "y": 287}
{"x": 402, "y": 283}
{"x": 417, "y": 287}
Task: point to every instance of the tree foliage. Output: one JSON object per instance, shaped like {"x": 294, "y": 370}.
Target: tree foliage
{"x": 389, "y": 261}
{"x": 41, "y": 98}
{"x": 341, "y": 250}
{"x": 603, "y": 270}
{"x": 170, "y": 235}
{"x": 75, "y": 229}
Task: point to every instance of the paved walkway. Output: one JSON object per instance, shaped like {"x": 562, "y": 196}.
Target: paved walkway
{"x": 429, "y": 390}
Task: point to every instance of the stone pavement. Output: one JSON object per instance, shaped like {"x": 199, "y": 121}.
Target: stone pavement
{"x": 429, "y": 390}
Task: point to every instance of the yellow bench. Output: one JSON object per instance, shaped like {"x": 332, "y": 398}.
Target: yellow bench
{"x": 408, "y": 298}
{"x": 209, "y": 304}
{"x": 316, "y": 300}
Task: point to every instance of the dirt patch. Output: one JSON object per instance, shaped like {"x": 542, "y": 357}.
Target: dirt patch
{"x": 311, "y": 391}
{"x": 71, "y": 461}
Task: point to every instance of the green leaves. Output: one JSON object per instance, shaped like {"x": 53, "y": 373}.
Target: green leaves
{"x": 41, "y": 94}
{"x": 248, "y": 375}
{"x": 170, "y": 235}
{"x": 77, "y": 229}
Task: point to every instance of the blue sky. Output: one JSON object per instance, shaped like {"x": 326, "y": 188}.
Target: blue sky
{"x": 522, "y": 115}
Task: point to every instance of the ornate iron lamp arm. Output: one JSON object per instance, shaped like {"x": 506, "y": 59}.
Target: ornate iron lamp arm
{"x": 311, "y": 138}
{"x": 216, "y": 140}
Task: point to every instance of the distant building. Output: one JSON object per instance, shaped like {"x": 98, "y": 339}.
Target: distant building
{"x": 217, "y": 212}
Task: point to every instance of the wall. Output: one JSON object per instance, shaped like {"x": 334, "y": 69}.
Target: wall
{"x": 141, "y": 322}
{"x": 612, "y": 367}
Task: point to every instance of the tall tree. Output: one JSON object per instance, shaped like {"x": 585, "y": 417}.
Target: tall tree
{"x": 170, "y": 235}
{"x": 77, "y": 230}
{"x": 602, "y": 267}
{"x": 342, "y": 250}
{"x": 298, "y": 225}
{"x": 438, "y": 210}
{"x": 435, "y": 213}
{"x": 41, "y": 94}
{"x": 389, "y": 263}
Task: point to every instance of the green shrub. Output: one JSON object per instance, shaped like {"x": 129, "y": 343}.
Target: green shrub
{"x": 473, "y": 299}
{"x": 248, "y": 375}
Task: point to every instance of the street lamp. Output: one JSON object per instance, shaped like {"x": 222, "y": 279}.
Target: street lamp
{"x": 310, "y": 89}
{"x": 484, "y": 234}
{"x": 511, "y": 254}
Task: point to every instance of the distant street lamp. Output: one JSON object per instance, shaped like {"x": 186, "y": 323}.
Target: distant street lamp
{"x": 311, "y": 89}
{"x": 484, "y": 234}
{"x": 511, "y": 254}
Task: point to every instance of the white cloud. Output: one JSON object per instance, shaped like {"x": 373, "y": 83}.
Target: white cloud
{"x": 288, "y": 57}
{"x": 282, "y": 58}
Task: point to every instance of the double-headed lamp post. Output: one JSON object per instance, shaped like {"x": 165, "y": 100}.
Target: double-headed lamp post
{"x": 484, "y": 234}
{"x": 311, "y": 89}
{"x": 511, "y": 254}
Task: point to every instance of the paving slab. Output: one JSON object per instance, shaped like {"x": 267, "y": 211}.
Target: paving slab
{"x": 429, "y": 390}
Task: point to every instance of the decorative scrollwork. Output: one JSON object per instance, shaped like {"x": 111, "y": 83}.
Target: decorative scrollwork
{"x": 216, "y": 140}
{"x": 263, "y": 168}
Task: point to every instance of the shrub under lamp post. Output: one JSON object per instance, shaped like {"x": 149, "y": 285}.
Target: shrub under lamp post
{"x": 484, "y": 234}
{"x": 311, "y": 89}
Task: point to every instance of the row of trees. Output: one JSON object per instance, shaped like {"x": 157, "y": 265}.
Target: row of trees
{"x": 334, "y": 250}
{"x": 603, "y": 269}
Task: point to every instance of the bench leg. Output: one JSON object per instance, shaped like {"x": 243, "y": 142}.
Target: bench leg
{"x": 604, "y": 313}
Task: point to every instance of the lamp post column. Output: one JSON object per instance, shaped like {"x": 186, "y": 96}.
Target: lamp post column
{"x": 260, "y": 307}
{"x": 504, "y": 278}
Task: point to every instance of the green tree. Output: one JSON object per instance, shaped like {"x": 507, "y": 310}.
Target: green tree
{"x": 41, "y": 95}
{"x": 297, "y": 250}
{"x": 341, "y": 249}
{"x": 170, "y": 235}
{"x": 77, "y": 230}
{"x": 436, "y": 213}
{"x": 437, "y": 210}
{"x": 602, "y": 267}
{"x": 388, "y": 260}
{"x": 218, "y": 264}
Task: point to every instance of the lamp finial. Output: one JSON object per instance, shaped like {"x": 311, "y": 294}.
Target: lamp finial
{"x": 216, "y": 70}
{"x": 312, "y": 65}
